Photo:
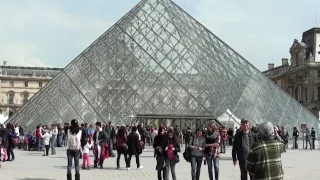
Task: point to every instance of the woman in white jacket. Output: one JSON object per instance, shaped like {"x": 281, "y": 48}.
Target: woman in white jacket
{"x": 46, "y": 141}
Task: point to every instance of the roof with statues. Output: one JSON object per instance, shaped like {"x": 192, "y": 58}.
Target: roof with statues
{"x": 29, "y": 71}
{"x": 311, "y": 31}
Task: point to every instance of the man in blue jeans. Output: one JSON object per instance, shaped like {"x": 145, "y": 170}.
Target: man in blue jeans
{"x": 111, "y": 133}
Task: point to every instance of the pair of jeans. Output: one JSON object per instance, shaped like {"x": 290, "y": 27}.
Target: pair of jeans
{"x": 308, "y": 142}
{"x": 53, "y": 145}
{"x": 170, "y": 165}
{"x": 86, "y": 160}
{"x": 10, "y": 153}
{"x": 313, "y": 141}
{"x": 122, "y": 150}
{"x": 38, "y": 147}
{"x": 47, "y": 150}
{"x": 65, "y": 140}
{"x": 137, "y": 160}
{"x": 162, "y": 173}
{"x": 111, "y": 146}
{"x": 187, "y": 143}
{"x": 196, "y": 162}
{"x": 73, "y": 155}
{"x": 98, "y": 156}
{"x": 243, "y": 171}
{"x": 213, "y": 164}
{"x": 223, "y": 146}
{"x": 295, "y": 143}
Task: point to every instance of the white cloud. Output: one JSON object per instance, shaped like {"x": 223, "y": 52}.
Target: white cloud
{"x": 20, "y": 54}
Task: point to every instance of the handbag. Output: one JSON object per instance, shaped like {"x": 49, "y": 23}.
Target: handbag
{"x": 176, "y": 158}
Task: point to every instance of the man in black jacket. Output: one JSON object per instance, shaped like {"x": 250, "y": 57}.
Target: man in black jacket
{"x": 313, "y": 137}
{"x": 134, "y": 147}
{"x": 243, "y": 141}
{"x": 100, "y": 137}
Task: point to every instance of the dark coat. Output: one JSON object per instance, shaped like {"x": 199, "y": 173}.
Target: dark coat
{"x": 4, "y": 134}
{"x": 237, "y": 148}
{"x": 159, "y": 140}
{"x": 102, "y": 137}
{"x": 133, "y": 143}
{"x": 84, "y": 136}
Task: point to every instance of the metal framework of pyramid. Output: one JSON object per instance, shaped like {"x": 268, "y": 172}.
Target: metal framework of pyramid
{"x": 157, "y": 59}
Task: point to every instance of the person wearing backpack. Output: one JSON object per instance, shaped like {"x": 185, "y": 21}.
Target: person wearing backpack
{"x": 73, "y": 149}
{"x": 197, "y": 145}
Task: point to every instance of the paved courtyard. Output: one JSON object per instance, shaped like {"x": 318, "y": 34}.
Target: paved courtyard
{"x": 30, "y": 165}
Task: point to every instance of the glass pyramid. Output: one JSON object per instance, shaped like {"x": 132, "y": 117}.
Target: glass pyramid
{"x": 159, "y": 60}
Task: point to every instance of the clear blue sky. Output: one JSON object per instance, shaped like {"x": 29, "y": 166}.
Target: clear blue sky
{"x": 54, "y": 32}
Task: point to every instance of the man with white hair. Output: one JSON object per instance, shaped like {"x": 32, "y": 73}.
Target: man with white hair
{"x": 264, "y": 159}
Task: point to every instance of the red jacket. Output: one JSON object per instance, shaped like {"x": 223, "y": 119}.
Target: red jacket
{"x": 38, "y": 133}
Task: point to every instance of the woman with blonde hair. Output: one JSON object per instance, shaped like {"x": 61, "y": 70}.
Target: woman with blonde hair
{"x": 211, "y": 151}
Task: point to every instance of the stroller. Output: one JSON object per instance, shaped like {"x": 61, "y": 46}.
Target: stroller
{"x": 20, "y": 142}
{"x": 30, "y": 143}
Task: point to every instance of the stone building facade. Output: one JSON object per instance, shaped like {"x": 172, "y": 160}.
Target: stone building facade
{"x": 301, "y": 76}
{"x": 18, "y": 84}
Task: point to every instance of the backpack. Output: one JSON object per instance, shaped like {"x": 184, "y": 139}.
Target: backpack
{"x": 187, "y": 153}
{"x": 73, "y": 142}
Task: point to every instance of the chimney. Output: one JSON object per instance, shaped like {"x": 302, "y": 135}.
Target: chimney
{"x": 285, "y": 61}
{"x": 270, "y": 66}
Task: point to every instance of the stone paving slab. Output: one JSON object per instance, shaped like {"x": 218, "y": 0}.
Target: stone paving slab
{"x": 31, "y": 165}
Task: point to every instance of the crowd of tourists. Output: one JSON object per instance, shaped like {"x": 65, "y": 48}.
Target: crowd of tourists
{"x": 253, "y": 148}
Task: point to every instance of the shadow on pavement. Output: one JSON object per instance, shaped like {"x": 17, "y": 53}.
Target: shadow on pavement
{"x": 104, "y": 168}
{"x": 33, "y": 179}
{"x": 33, "y": 154}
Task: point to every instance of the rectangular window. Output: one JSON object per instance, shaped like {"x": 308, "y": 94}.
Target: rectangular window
{"x": 26, "y": 84}
{"x": 11, "y": 83}
{"x": 10, "y": 98}
{"x": 306, "y": 94}
{"x": 40, "y": 84}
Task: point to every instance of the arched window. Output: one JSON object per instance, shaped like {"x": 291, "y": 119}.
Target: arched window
{"x": 11, "y": 97}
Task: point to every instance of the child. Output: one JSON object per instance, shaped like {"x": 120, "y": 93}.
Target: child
{"x": 86, "y": 157}
{"x": 46, "y": 142}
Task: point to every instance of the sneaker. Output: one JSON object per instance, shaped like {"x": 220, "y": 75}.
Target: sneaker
{"x": 128, "y": 169}
{"x": 141, "y": 167}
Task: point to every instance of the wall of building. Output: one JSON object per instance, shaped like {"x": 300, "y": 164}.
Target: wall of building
{"x": 317, "y": 47}
{"x": 19, "y": 89}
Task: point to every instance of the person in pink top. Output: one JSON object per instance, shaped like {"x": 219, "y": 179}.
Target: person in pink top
{"x": 171, "y": 148}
